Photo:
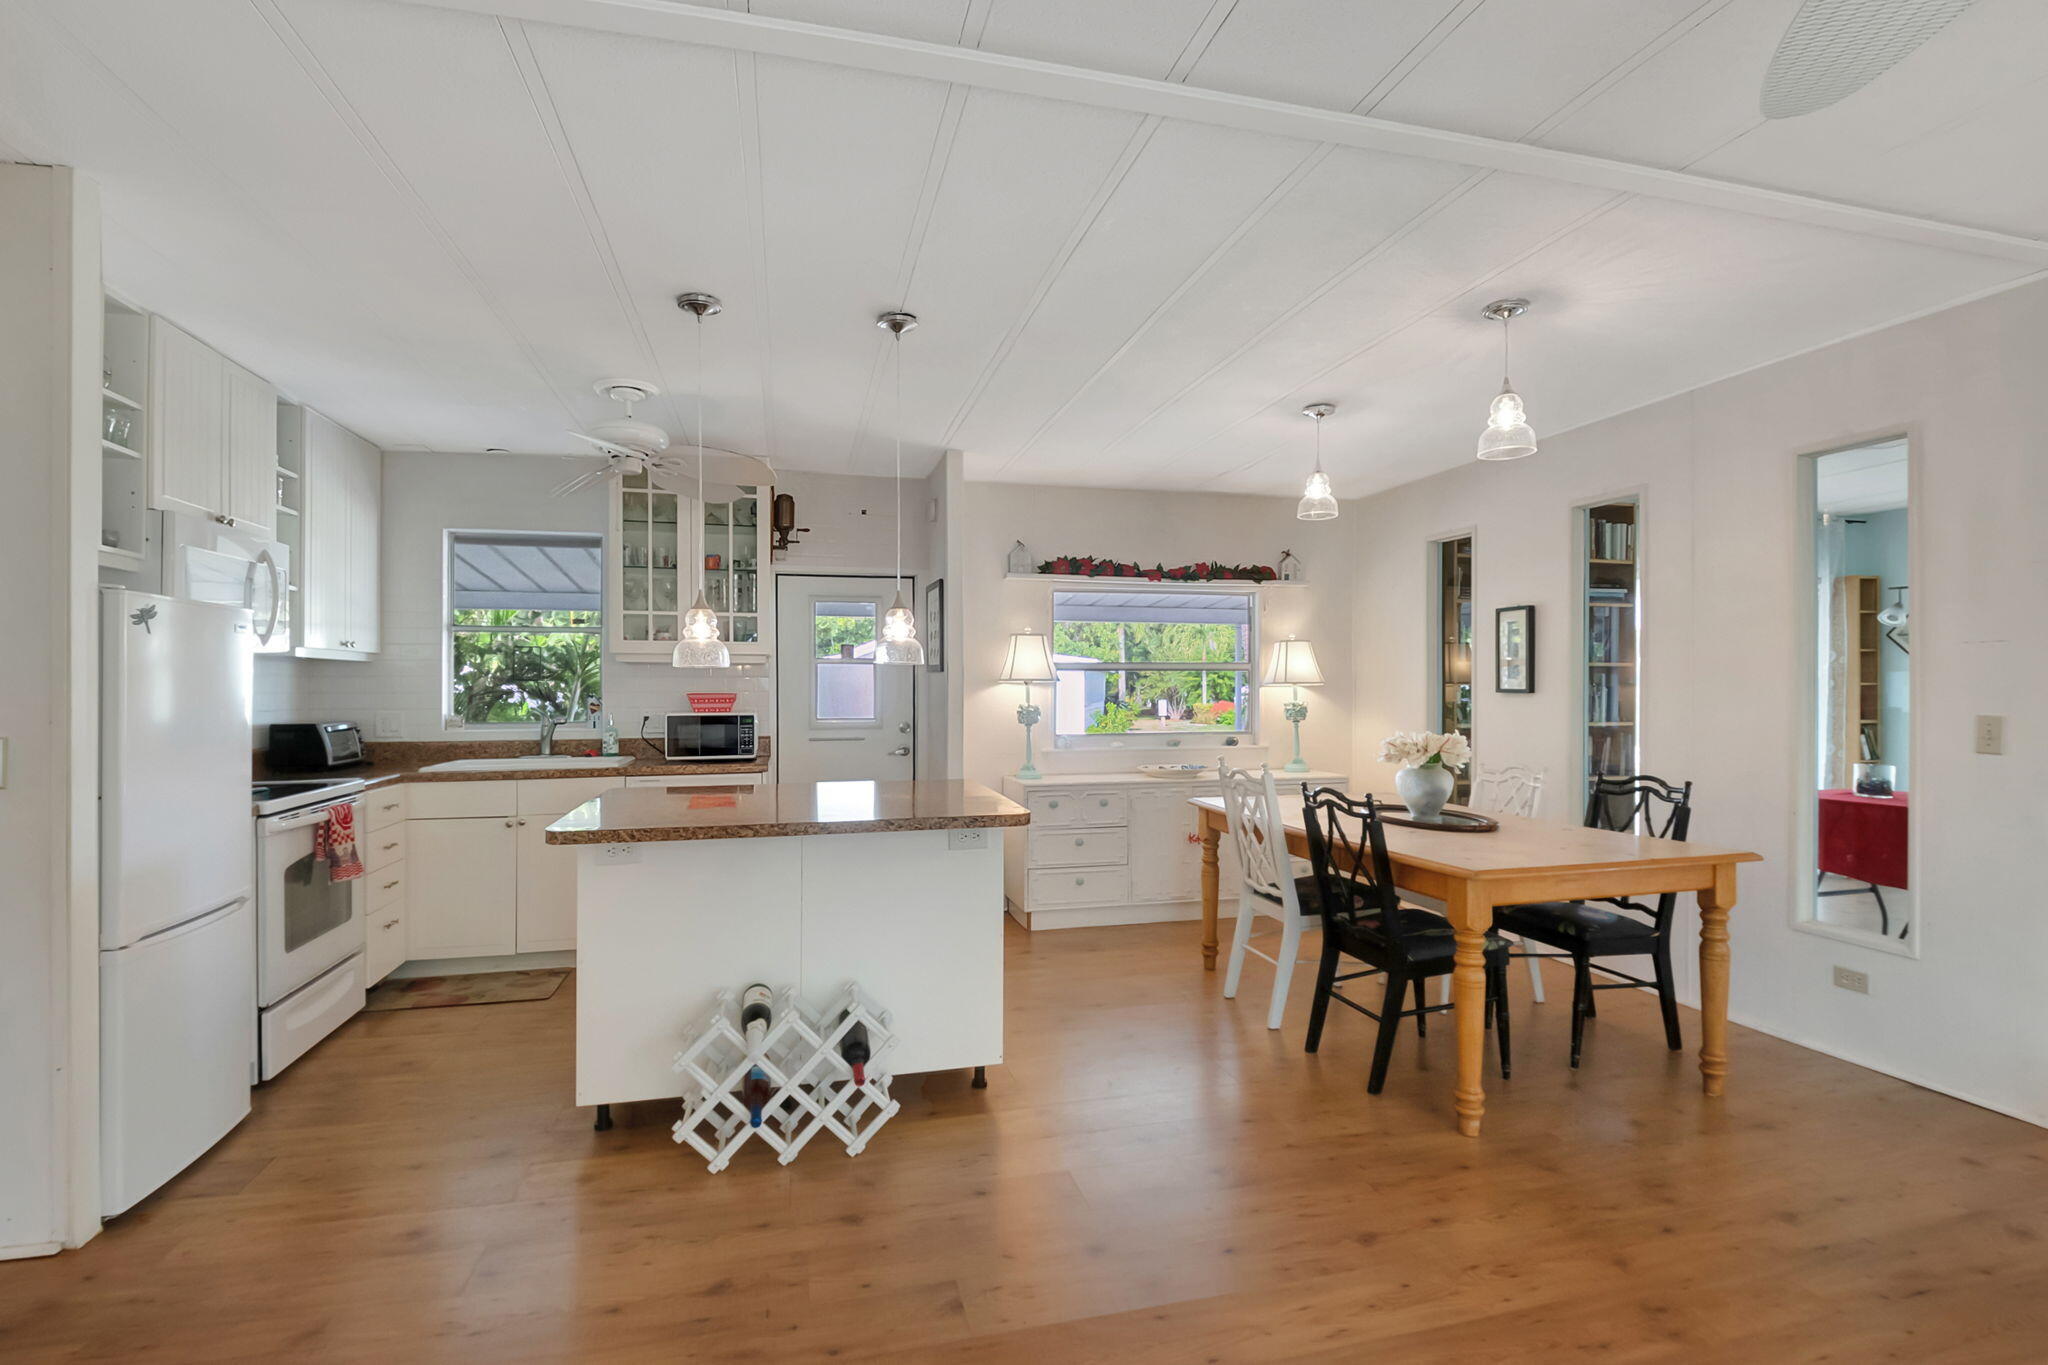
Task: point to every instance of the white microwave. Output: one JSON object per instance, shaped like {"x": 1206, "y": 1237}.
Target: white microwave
{"x": 708, "y": 739}
{"x": 208, "y": 562}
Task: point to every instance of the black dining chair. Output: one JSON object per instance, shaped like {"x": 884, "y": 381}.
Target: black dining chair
{"x": 1362, "y": 914}
{"x": 1583, "y": 931}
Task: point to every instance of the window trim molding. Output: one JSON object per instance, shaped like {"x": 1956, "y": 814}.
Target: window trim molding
{"x": 447, "y": 629}
{"x": 1249, "y": 713}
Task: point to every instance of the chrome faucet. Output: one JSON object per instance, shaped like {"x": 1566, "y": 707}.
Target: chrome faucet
{"x": 548, "y": 722}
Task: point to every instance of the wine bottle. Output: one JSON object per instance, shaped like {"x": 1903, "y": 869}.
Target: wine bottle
{"x": 755, "y": 1092}
{"x": 757, "y": 1011}
{"x": 853, "y": 1048}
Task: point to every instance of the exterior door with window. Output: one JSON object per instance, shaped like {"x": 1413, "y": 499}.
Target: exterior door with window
{"x": 839, "y": 717}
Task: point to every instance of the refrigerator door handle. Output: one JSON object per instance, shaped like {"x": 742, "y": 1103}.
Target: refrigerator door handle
{"x": 193, "y": 925}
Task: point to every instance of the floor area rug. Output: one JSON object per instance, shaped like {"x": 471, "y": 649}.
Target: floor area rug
{"x": 481, "y": 988}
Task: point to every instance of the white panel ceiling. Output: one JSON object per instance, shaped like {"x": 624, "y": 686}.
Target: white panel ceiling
{"x": 443, "y": 221}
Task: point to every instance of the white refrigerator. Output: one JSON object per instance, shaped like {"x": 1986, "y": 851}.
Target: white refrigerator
{"x": 177, "y": 914}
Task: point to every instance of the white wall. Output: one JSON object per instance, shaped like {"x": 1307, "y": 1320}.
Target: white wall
{"x": 425, "y": 495}
{"x": 1727, "y": 574}
{"x": 1149, "y": 528}
{"x": 49, "y": 709}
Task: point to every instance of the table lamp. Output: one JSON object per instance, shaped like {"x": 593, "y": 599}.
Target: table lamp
{"x": 1294, "y": 665}
{"x": 1030, "y": 661}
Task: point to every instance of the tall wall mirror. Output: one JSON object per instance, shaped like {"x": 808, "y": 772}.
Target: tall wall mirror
{"x": 1862, "y": 692}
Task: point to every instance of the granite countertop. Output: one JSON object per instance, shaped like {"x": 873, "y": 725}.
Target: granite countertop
{"x": 1134, "y": 779}
{"x": 642, "y": 815}
{"x": 393, "y": 762}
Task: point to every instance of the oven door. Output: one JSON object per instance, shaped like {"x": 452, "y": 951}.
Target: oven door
{"x": 304, "y": 922}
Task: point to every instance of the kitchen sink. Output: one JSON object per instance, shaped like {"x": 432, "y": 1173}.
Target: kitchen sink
{"x": 526, "y": 763}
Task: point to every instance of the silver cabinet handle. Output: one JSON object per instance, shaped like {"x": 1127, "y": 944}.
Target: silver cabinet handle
{"x": 1052, "y": 805}
{"x": 522, "y": 823}
{"x": 1080, "y": 881}
{"x": 1103, "y": 802}
{"x": 392, "y": 806}
{"x": 388, "y": 847}
{"x": 900, "y": 751}
{"x": 1079, "y": 843}
{"x": 390, "y": 924}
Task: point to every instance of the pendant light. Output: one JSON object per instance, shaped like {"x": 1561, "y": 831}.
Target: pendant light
{"x": 698, "y": 645}
{"x": 1317, "y": 502}
{"x": 1507, "y": 435}
{"x": 898, "y": 643}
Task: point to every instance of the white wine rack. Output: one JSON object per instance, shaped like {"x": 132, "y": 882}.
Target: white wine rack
{"x": 814, "y": 1090}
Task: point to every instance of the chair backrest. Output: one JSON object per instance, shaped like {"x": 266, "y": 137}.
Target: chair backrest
{"x": 1252, "y": 806}
{"x": 1508, "y": 790}
{"x": 1662, "y": 809}
{"x": 1347, "y": 847}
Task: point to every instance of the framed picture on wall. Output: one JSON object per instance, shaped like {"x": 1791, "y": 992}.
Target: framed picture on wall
{"x": 1514, "y": 649}
{"x": 935, "y": 626}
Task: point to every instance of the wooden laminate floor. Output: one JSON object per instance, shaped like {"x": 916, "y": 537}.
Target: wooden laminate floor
{"x": 1153, "y": 1176}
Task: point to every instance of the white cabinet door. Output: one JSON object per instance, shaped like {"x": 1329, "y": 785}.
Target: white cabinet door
{"x": 1166, "y": 856}
{"x": 547, "y": 888}
{"x": 187, "y": 423}
{"x": 340, "y": 535}
{"x": 251, "y": 452}
{"x": 463, "y": 897}
{"x": 366, "y": 492}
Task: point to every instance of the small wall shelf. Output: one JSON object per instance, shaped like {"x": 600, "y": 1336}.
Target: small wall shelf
{"x": 1611, "y": 582}
{"x": 115, "y": 448}
{"x": 120, "y": 400}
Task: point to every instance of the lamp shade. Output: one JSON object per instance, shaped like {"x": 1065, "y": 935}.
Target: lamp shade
{"x": 1294, "y": 665}
{"x": 1030, "y": 659}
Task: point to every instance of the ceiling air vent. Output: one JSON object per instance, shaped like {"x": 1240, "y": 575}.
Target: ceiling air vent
{"x": 1836, "y": 47}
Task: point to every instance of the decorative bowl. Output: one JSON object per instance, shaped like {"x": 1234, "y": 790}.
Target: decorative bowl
{"x": 1171, "y": 770}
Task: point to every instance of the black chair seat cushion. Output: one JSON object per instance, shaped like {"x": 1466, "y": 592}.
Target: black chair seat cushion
{"x": 1426, "y": 938}
{"x": 1574, "y": 925}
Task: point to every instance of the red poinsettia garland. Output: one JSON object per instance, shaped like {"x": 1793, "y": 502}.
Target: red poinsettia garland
{"x": 1088, "y": 566}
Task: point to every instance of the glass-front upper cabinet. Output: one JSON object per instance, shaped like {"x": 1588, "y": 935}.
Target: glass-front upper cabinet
{"x": 735, "y": 556}
{"x": 650, "y": 565}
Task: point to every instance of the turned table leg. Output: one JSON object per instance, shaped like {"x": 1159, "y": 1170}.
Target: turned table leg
{"x": 1470, "y": 918}
{"x": 1715, "y": 904}
{"x": 1210, "y": 837}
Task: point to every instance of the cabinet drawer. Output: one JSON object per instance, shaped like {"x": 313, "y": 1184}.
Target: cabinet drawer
{"x": 1080, "y": 847}
{"x": 383, "y": 847}
{"x": 1079, "y": 886}
{"x": 555, "y": 796}
{"x": 387, "y": 889}
{"x": 384, "y": 945}
{"x": 460, "y": 800}
{"x": 1078, "y": 807}
{"x": 383, "y": 806}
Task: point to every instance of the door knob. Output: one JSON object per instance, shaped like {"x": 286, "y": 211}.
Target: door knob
{"x": 900, "y": 751}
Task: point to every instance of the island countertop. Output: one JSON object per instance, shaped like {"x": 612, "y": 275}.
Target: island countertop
{"x": 643, "y": 815}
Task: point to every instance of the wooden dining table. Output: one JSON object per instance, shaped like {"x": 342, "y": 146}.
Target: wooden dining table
{"x": 1523, "y": 861}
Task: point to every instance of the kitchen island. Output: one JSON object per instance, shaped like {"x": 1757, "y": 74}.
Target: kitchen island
{"x": 684, "y": 892}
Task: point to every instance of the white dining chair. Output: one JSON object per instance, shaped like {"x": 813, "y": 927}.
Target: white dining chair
{"x": 1266, "y": 877}
{"x": 1510, "y": 789}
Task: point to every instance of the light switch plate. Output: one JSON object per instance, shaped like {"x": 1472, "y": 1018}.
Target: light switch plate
{"x": 1991, "y": 734}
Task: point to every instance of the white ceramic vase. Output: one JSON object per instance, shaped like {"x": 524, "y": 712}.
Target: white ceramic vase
{"x": 1424, "y": 790}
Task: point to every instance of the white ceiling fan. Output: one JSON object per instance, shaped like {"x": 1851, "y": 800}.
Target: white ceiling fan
{"x": 626, "y": 445}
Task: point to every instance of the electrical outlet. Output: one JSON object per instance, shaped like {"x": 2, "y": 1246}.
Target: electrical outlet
{"x": 390, "y": 725}
{"x": 612, "y": 855}
{"x": 966, "y": 838}
{"x": 1991, "y": 734}
{"x": 1851, "y": 980}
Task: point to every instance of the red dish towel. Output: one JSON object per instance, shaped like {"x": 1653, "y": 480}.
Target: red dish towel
{"x": 335, "y": 841}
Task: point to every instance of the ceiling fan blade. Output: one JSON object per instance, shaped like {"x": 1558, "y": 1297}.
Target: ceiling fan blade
{"x": 615, "y": 452}
{"x": 584, "y": 480}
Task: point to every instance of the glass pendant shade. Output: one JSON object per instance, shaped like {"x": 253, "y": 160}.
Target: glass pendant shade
{"x": 899, "y": 643}
{"x": 1507, "y": 435}
{"x": 1317, "y": 502}
{"x": 700, "y": 646}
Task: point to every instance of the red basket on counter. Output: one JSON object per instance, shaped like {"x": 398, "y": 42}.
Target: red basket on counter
{"x": 707, "y": 703}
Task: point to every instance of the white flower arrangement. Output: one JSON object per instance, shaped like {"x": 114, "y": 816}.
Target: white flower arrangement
{"x": 1426, "y": 749}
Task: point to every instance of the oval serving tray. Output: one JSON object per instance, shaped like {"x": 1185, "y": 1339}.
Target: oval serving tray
{"x": 1450, "y": 822}
{"x": 1171, "y": 770}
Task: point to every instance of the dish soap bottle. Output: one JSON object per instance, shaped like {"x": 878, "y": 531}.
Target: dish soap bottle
{"x": 609, "y": 746}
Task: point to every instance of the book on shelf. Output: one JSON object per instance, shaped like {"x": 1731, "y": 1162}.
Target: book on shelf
{"x": 1610, "y": 540}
